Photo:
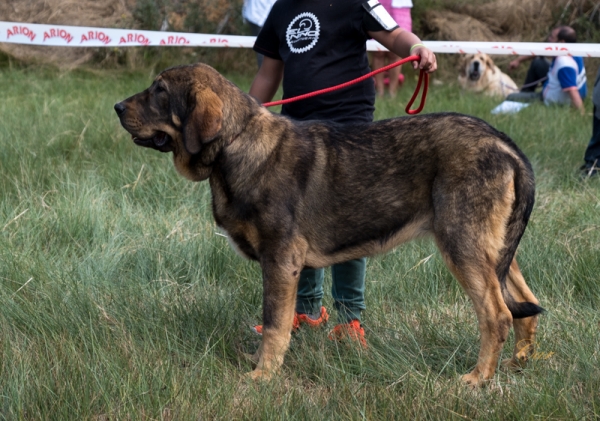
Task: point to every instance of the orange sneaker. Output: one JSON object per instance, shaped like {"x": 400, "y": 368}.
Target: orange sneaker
{"x": 353, "y": 331}
{"x": 301, "y": 318}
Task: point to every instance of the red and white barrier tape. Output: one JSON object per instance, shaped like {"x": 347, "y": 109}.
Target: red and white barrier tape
{"x": 511, "y": 48}
{"x": 81, "y": 36}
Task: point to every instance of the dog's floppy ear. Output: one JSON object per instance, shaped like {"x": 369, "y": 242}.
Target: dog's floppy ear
{"x": 462, "y": 66}
{"x": 204, "y": 120}
{"x": 489, "y": 63}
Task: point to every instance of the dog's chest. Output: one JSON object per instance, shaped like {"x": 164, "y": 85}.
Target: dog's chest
{"x": 241, "y": 238}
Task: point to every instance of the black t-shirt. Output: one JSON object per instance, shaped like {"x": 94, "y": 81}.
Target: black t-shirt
{"x": 322, "y": 44}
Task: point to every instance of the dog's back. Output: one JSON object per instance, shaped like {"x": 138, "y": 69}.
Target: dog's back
{"x": 381, "y": 178}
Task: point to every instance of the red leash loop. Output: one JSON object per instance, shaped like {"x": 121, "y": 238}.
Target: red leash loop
{"x": 422, "y": 76}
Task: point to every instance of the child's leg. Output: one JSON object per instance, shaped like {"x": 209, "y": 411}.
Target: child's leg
{"x": 348, "y": 288}
{"x": 310, "y": 292}
{"x": 393, "y": 74}
{"x": 378, "y": 63}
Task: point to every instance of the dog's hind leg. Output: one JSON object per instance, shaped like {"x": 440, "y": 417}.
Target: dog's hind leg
{"x": 281, "y": 271}
{"x": 478, "y": 278}
{"x": 524, "y": 328}
{"x": 470, "y": 239}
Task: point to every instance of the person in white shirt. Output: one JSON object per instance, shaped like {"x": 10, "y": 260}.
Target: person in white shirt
{"x": 567, "y": 81}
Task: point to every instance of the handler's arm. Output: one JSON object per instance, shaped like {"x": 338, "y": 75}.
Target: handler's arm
{"x": 517, "y": 62}
{"x": 400, "y": 42}
{"x": 576, "y": 100}
{"x": 267, "y": 80}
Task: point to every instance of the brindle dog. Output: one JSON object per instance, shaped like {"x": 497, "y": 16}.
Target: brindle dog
{"x": 294, "y": 194}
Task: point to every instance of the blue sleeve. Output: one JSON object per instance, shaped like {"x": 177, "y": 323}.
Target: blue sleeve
{"x": 567, "y": 76}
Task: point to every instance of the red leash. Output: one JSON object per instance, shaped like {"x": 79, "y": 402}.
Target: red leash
{"x": 422, "y": 76}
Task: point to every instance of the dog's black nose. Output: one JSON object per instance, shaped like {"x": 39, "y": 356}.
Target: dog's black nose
{"x": 119, "y": 108}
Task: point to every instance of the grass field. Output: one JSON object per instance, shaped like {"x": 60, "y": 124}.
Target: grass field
{"x": 119, "y": 301}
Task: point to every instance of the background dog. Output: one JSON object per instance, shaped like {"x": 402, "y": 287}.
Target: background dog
{"x": 295, "y": 194}
{"x": 478, "y": 73}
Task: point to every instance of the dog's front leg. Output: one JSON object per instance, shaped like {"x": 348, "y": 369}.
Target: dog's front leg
{"x": 281, "y": 272}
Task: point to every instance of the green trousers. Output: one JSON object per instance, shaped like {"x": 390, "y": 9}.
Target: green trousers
{"x": 347, "y": 289}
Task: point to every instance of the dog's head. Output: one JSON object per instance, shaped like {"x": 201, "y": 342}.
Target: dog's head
{"x": 474, "y": 66}
{"x": 181, "y": 112}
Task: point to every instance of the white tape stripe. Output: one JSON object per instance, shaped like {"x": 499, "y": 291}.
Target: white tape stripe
{"x": 512, "y": 48}
{"x": 81, "y": 36}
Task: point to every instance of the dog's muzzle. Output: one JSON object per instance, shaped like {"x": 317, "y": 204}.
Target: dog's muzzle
{"x": 160, "y": 141}
{"x": 475, "y": 71}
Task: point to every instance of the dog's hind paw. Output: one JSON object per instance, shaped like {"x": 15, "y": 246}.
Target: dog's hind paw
{"x": 514, "y": 364}
{"x": 261, "y": 375}
{"x": 251, "y": 358}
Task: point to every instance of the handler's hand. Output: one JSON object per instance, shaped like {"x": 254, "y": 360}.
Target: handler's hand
{"x": 428, "y": 61}
{"x": 513, "y": 64}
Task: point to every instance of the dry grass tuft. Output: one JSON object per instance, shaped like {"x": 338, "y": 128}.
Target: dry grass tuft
{"x": 445, "y": 25}
{"x": 507, "y": 20}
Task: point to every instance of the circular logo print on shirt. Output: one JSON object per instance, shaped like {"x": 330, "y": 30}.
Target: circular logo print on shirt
{"x": 303, "y": 33}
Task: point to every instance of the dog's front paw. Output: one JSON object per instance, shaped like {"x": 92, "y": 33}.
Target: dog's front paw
{"x": 474, "y": 379}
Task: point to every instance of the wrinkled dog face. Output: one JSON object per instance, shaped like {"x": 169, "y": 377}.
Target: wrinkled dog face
{"x": 178, "y": 113}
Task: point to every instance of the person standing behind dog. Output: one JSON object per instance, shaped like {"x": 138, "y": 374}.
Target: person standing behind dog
{"x": 255, "y": 12}
{"x": 312, "y": 45}
{"x": 400, "y": 11}
{"x": 592, "y": 152}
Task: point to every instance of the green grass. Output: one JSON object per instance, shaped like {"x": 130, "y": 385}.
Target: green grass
{"x": 119, "y": 300}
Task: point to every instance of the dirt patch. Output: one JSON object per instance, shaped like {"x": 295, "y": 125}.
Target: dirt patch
{"x": 506, "y": 20}
{"x": 443, "y": 25}
{"x": 105, "y": 13}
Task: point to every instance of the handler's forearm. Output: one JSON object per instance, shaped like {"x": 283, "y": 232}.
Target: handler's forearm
{"x": 400, "y": 42}
{"x": 263, "y": 89}
{"x": 517, "y": 62}
{"x": 576, "y": 100}
{"x": 522, "y": 59}
{"x": 267, "y": 80}
{"x": 403, "y": 42}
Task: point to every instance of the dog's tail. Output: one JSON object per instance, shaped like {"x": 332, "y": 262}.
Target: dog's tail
{"x": 523, "y": 205}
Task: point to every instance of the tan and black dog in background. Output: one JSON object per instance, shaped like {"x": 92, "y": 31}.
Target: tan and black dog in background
{"x": 292, "y": 194}
{"x": 478, "y": 73}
